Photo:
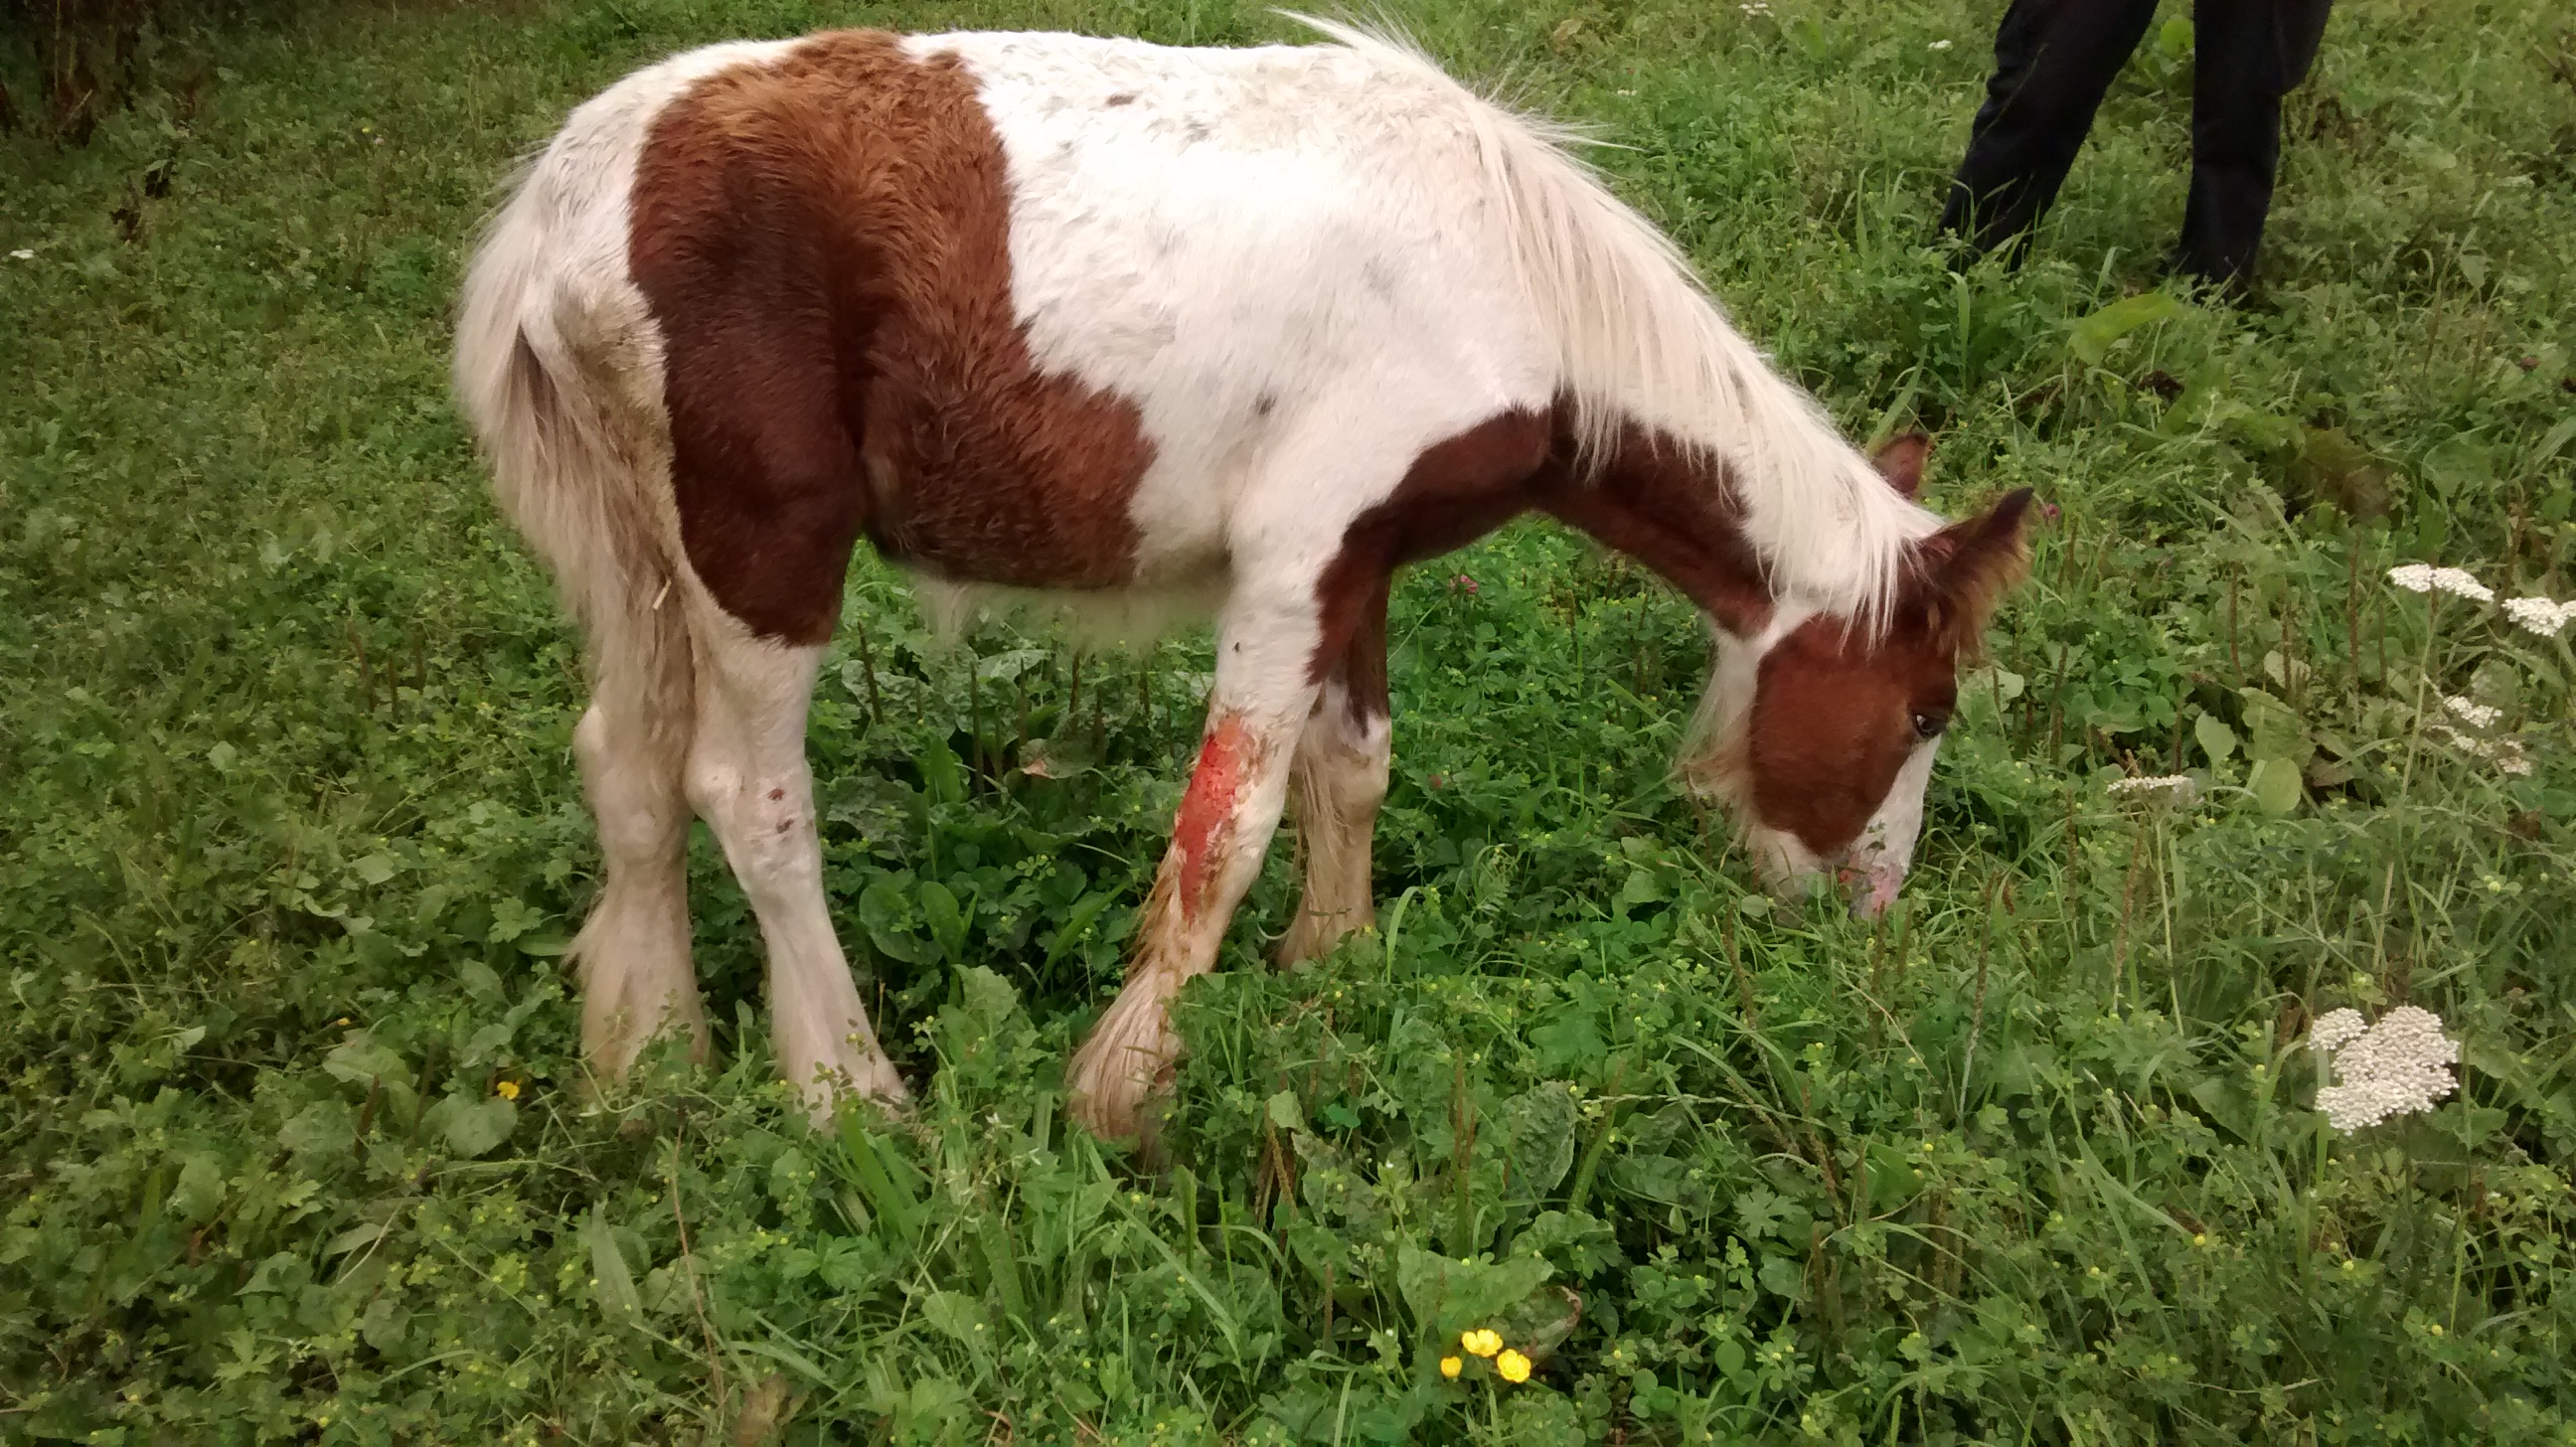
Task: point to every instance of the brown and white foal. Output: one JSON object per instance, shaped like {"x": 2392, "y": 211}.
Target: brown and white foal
{"x": 1092, "y": 317}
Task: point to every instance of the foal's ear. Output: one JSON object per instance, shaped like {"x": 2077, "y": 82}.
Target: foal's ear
{"x": 1968, "y": 566}
{"x": 1900, "y": 460}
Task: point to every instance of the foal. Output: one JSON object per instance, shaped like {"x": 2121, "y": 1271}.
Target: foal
{"x": 1254, "y": 326}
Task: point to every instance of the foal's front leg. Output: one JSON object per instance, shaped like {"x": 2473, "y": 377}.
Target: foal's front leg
{"x": 1227, "y": 815}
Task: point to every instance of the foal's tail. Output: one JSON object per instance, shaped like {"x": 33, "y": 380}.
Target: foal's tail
{"x": 575, "y": 480}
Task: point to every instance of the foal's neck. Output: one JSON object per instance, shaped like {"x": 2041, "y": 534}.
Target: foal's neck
{"x": 1674, "y": 509}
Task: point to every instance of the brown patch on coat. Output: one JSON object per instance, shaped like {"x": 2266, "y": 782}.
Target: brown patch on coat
{"x": 1835, "y": 714}
{"x": 1456, "y": 491}
{"x": 824, "y": 241}
{"x": 1647, "y": 496}
{"x": 1673, "y": 509}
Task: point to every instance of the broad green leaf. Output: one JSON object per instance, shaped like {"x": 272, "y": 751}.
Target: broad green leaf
{"x": 2276, "y": 784}
{"x": 385, "y": 1323}
{"x": 612, "y": 1281}
{"x": 480, "y": 980}
{"x": 941, "y": 778}
{"x": 1569, "y": 1042}
{"x": 355, "y": 1237}
{"x": 2091, "y": 338}
{"x": 1284, "y": 1112}
{"x": 511, "y": 918}
{"x": 946, "y": 917}
{"x": 2272, "y": 731}
{"x": 955, "y": 1314}
{"x": 473, "y": 1126}
{"x": 1448, "y": 1296}
{"x": 2217, "y": 740}
{"x": 1542, "y": 1126}
{"x": 2459, "y": 461}
{"x": 989, "y": 999}
{"x": 200, "y": 1189}
{"x": 359, "y": 1060}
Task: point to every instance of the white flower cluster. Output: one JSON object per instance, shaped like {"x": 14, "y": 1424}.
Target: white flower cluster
{"x": 2180, "y": 790}
{"x": 2540, "y": 615}
{"x": 2425, "y": 578}
{"x": 2397, "y": 1067}
{"x": 2505, "y": 754}
{"x": 1756, "y": 7}
{"x": 2476, "y": 715}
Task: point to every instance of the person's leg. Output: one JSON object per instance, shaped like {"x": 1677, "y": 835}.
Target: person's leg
{"x": 2247, "y": 55}
{"x": 2053, "y": 61}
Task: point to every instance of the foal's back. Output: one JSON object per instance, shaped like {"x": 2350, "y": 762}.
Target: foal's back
{"x": 1029, "y": 310}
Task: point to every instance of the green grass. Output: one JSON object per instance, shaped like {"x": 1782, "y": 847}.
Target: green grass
{"x": 295, "y": 1146}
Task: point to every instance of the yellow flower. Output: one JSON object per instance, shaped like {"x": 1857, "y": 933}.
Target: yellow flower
{"x": 509, "y": 1089}
{"x": 1513, "y": 1366}
{"x": 1481, "y": 1342}
{"x": 1450, "y": 1367}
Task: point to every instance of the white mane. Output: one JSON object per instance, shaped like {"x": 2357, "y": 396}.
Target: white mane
{"x": 1640, "y": 338}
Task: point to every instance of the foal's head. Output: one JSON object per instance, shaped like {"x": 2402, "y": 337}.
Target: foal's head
{"x": 1819, "y": 735}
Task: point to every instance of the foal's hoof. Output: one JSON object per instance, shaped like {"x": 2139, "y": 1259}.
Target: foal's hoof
{"x": 1120, "y": 1105}
{"x": 882, "y": 1089}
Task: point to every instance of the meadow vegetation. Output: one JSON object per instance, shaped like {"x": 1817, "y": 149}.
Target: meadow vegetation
{"x": 297, "y": 1145}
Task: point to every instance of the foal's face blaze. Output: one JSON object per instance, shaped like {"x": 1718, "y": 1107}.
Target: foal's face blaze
{"x": 1826, "y": 736}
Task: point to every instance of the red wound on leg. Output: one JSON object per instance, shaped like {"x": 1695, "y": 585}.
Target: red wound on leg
{"x": 1226, "y": 760}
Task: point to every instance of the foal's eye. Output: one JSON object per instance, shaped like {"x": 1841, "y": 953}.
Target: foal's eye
{"x": 1928, "y": 724}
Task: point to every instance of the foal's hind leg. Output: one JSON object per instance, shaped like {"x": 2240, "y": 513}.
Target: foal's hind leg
{"x": 748, "y": 778}
{"x": 633, "y": 950}
{"x": 1336, "y": 785}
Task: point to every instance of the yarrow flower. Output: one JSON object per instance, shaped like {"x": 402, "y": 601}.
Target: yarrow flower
{"x": 2505, "y": 754}
{"x": 1940, "y": 45}
{"x": 2425, "y": 578}
{"x": 2397, "y": 1067}
{"x": 2540, "y": 615}
{"x": 22, "y": 254}
{"x": 2476, "y": 715}
{"x": 2180, "y": 790}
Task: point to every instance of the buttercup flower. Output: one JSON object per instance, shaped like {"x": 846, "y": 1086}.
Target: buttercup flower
{"x": 2540, "y": 615}
{"x": 1450, "y": 1367}
{"x": 507, "y": 1090}
{"x": 2397, "y": 1067}
{"x": 1482, "y": 1342}
{"x": 1513, "y": 1366}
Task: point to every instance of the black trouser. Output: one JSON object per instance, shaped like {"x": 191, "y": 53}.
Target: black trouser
{"x": 2053, "y": 61}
